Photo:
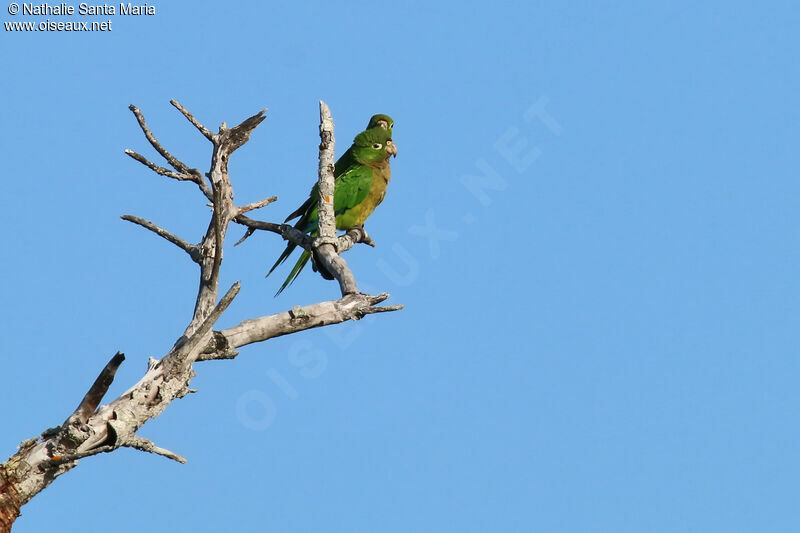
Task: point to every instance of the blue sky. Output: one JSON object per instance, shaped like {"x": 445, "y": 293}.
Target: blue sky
{"x": 601, "y": 337}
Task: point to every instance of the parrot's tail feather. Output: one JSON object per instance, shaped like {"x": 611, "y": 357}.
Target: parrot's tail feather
{"x": 283, "y": 257}
{"x": 302, "y": 210}
{"x": 298, "y": 267}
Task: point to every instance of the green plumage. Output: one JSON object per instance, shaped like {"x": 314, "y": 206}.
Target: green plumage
{"x": 361, "y": 176}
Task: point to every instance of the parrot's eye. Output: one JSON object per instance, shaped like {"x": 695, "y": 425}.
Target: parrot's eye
{"x": 377, "y": 146}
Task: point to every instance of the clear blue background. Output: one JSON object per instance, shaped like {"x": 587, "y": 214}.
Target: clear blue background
{"x": 604, "y": 339}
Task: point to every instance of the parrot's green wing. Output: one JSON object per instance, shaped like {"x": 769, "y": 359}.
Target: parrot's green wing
{"x": 352, "y": 188}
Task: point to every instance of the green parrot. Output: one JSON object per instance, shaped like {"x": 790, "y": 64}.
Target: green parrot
{"x": 343, "y": 163}
{"x": 361, "y": 177}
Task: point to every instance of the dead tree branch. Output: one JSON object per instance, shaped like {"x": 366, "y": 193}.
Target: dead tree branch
{"x": 205, "y": 131}
{"x": 93, "y": 428}
{"x": 327, "y": 161}
{"x": 192, "y": 249}
{"x": 159, "y": 169}
{"x": 146, "y": 445}
{"x": 172, "y": 160}
{"x": 95, "y": 394}
{"x": 325, "y": 245}
{"x": 351, "y": 307}
{"x": 257, "y": 205}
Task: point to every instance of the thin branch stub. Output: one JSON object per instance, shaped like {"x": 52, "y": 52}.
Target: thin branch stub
{"x": 98, "y": 389}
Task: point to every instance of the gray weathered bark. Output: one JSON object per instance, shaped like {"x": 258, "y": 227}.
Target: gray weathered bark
{"x": 90, "y": 430}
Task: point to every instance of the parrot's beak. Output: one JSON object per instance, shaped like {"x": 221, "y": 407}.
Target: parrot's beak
{"x": 391, "y": 148}
{"x": 383, "y": 124}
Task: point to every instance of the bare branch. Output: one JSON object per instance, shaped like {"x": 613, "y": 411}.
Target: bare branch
{"x": 146, "y": 445}
{"x": 196, "y": 123}
{"x": 181, "y": 356}
{"x": 225, "y": 143}
{"x": 192, "y": 249}
{"x": 240, "y": 134}
{"x": 72, "y": 457}
{"x": 327, "y": 220}
{"x": 325, "y": 244}
{"x": 159, "y": 170}
{"x": 329, "y": 261}
{"x": 351, "y": 307}
{"x": 353, "y": 236}
{"x": 290, "y": 233}
{"x": 133, "y": 441}
{"x": 96, "y": 392}
{"x": 257, "y": 205}
{"x": 10, "y": 500}
{"x": 219, "y": 222}
{"x": 381, "y": 309}
{"x": 287, "y": 231}
{"x": 185, "y": 173}
{"x": 172, "y": 160}
{"x": 217, "y": 356}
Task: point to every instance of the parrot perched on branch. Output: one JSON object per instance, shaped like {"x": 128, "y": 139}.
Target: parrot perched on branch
{"x": 361, "y": 176}
{"x": 342, "y": 164}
